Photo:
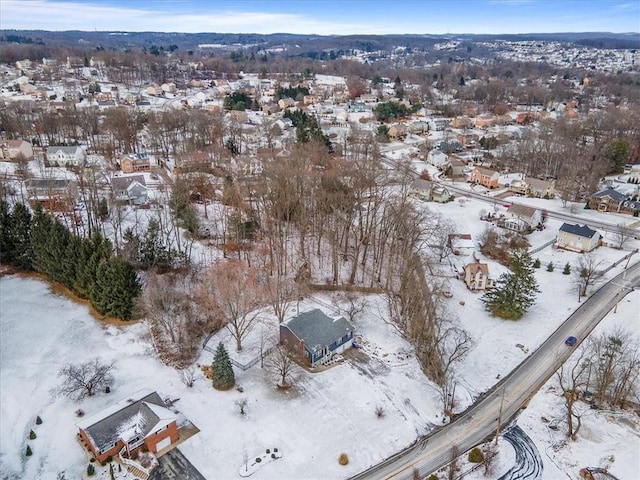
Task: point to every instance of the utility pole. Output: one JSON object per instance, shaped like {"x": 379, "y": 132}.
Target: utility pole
{"x": 500, "y": 417}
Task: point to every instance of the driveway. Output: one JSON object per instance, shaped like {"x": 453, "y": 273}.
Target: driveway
{"x": 174, "y": 465}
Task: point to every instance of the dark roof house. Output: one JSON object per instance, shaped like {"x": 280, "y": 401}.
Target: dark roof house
{"x": 142, "y": 419}
{"x": 315, "y": 337}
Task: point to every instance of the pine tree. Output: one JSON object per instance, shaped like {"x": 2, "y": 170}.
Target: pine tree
{"x": 21, "y": 237}
{"x": 38, "y": 420}
{"x": 221, "y": 369}
{"x": 550, "y": 267}
{"x": 115, "y": 288}
{"x": 32, "y": 435}
{"x": 515, "y": 292}
{"x": 536, "y": 263}
{"x": 28, "y": 452}
{"x": 567, "y": 269}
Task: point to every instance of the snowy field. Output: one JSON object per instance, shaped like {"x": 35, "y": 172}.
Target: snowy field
{"x": 326, "y": 413}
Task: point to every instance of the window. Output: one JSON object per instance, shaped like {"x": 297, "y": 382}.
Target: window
{"x": 162, "y": 429}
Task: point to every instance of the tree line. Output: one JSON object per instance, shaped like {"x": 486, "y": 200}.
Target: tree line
{"x": 87, "y": 266}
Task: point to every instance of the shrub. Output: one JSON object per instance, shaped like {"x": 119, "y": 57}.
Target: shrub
{"x": 433, "y": 476}
{"x": 258, "y": 459}
{"x": 32, "y": 435}
{"x": 268, "y": 451}
{"x": 28, "y": 452}
{"x": 567, "y": 269}
{"x": 476, "y": 456}
{"x": 79, "y": 412}
{"x": 550, "y": 267}
{"x": 92, "y": 460}
{"x": 536, "y": 263}
{"x": 343, "y": 459}
{"x": 109, "y": 459}
{"x": 275, "y": 449}
{"x": 379, "y": 411}
{"x": 91, "y": 470}
{"x": 273, "y": 455}
{"x": 38, "y": 420}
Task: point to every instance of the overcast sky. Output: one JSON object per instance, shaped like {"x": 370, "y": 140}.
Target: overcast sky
{"x": 324, "y": 17}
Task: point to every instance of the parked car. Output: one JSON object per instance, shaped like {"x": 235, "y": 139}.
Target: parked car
{"x": 571, "y": 341}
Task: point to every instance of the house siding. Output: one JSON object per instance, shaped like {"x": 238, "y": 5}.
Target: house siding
{"x": 153, "y": 439}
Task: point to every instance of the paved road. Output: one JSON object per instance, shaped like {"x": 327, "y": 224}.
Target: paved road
{"x": 566, "y": 217}
{"x": 508, "y": 397}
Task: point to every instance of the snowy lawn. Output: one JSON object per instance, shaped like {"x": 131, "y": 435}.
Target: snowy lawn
{"x": 323, "y": 415}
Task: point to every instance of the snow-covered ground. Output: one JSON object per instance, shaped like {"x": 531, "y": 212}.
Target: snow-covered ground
{"x": 326, "y": 413}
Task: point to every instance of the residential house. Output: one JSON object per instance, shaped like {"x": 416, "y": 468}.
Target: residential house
{"x": 398, "y": 130}
{"x": 131, "y": 189}
{"x": 429, "y": 191}
{"x": 486, "y": 177}
{"x": 461, "y": 244}
{"x": 476, "y": 276}
{"x": 139, "y": 422}
{"x": 54, "y": 194}
{"x": 438, "y": 159}
{"x": 315, "y": 337}
{"x": 66, "y": 156}
{"x": 521, "y": 218}
{"x": 533, "y": 187}
{"x": 577, "y": 238}
{"x": 485, "y": 121}
{"x": 286, "y": 102}
{"x": 462, "y": 122}
{"x": 438, "y": 124}
{"x": 457, "y": 168}
{"x": 135, "y": 162}
{"x": 610, "y": 200}
{"x": 12, "y": 150}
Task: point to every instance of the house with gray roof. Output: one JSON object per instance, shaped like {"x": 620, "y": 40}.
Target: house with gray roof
{"x": 131, "y": 189}
{"x": 577, "y": 238}
{"x": 66, "y": 156}
{"x": 143, "y": 420}
{"x": 611, "y": 200}
{"x": 315, "y": 337}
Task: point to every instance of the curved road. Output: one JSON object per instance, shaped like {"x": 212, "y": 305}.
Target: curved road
{"x": 504, "y": 401}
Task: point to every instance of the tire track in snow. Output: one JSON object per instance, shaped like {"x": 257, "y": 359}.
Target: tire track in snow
{"x": 528, "y": 461}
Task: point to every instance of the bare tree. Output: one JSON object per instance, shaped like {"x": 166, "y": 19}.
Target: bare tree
{"x": 188, "y": 376}
{"x": 282, "y": 291}
{"x": 239, "y": 293}
{"x": 85, "y": 379}
{"x": 621, "y": 235}
{"x": 281, "y": 363}
{"x": 587, "y": 274}
{"x": 572, "y": 379}
{"x": 351, "y": 304}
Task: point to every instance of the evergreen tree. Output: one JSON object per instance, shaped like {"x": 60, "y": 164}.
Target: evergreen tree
{"x": 21, "y": 237}
{"x": 515, "y": 292}
{"x": 222, "y": 372}
{"x": 567, "y": 269}
{"x": 550, "y": 267}
{"x": 115, "y": 288}
{"x": 536, "y": 263}
{"x": 6, "y": 225}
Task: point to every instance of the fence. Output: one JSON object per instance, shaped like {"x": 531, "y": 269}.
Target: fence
{"x": 541, "y": 247}
{"x": 250, "y": 363}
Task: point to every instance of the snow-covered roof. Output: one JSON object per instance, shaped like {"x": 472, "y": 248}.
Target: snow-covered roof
{"x": 139, "y": 415}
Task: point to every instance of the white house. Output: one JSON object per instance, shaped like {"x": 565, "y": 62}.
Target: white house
{"x": 63, "y": 156}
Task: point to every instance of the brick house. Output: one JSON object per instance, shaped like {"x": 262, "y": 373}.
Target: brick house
{"x": 485, "y": 176}
{"x": 143, "y": 420}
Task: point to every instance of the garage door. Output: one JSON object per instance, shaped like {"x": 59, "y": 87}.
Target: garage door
{"x": 165, "y": 442}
